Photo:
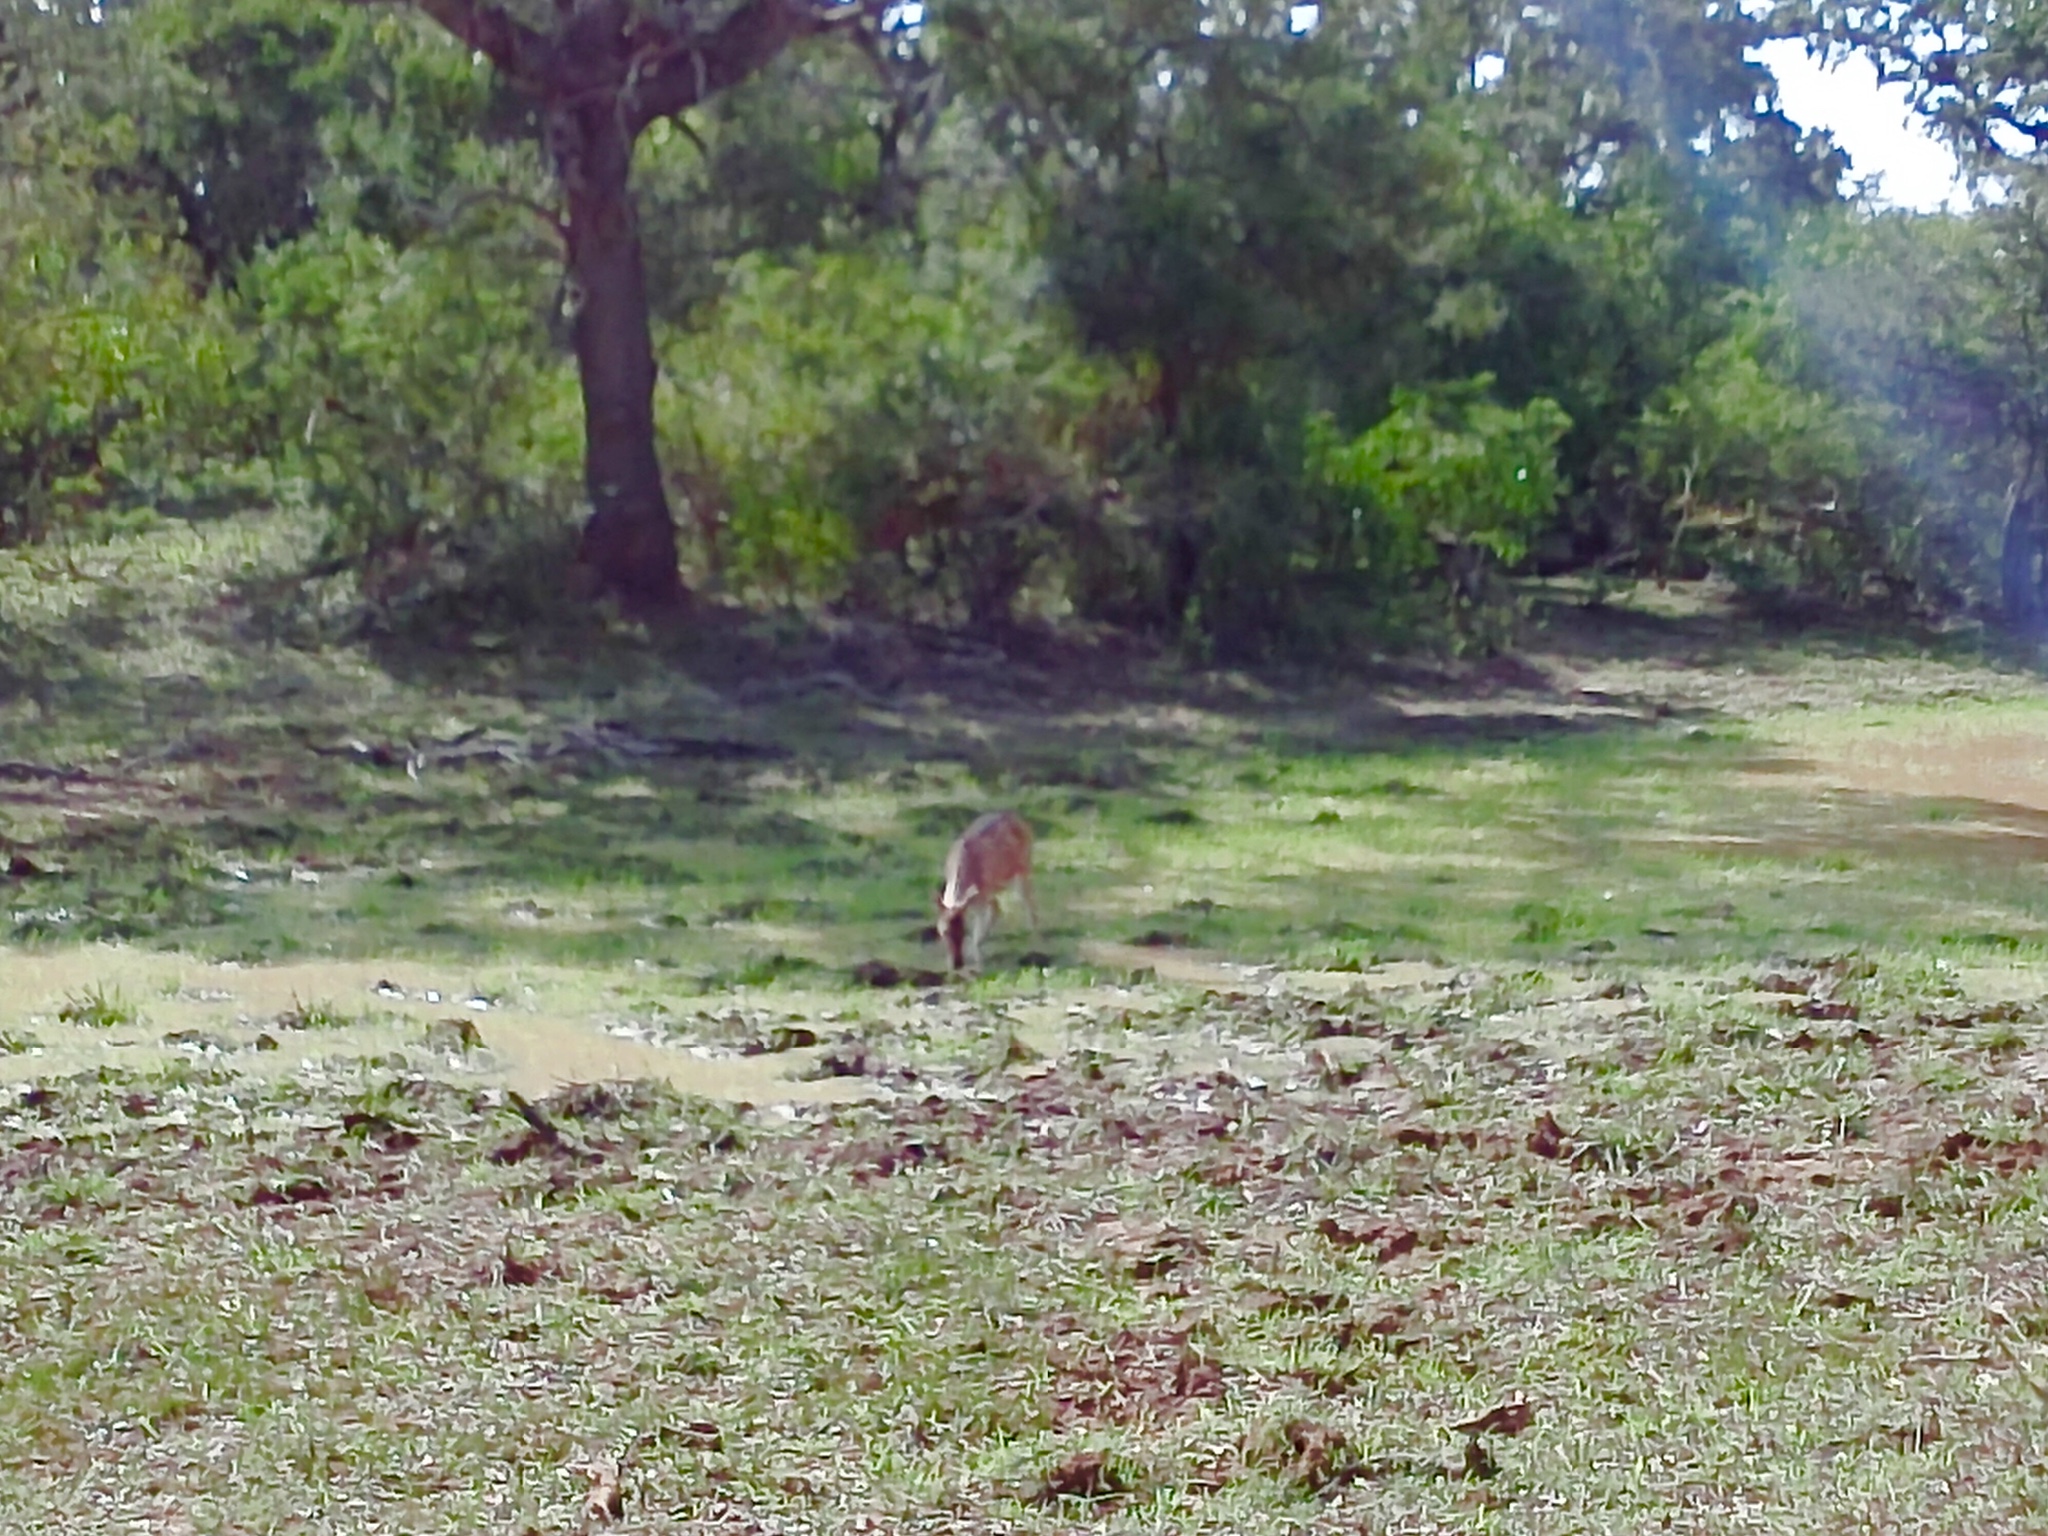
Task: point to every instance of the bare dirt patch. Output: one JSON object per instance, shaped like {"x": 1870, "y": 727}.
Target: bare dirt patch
{"x": 270, "y": 1022}
{"x": 1994, "y": 766}
{"x": 1169, "y": 962}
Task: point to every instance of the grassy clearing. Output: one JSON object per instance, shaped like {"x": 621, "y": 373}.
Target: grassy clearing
{"x": 598, "y": 802}
{"x": 1592, "y": 1098}
{"x": 1740, "y": 1272}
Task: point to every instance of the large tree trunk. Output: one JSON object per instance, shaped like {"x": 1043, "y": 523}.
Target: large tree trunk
{"x": 605, "y": 69}
{"x": 2023, "y": 561}
{"x": 629, "y": 544}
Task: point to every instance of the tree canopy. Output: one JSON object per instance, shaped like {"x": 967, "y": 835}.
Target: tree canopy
{"x": 1255, "y": 325}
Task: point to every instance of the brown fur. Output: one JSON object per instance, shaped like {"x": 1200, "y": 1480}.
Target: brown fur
{"x": 990, "y": 856}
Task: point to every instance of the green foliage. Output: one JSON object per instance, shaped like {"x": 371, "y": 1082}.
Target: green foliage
{"x": 1750, "y": 466}
{"x": 228, "y": 122}
{"x": 1266, "y": 221}
{"x": 1065, "y": 309}
{"x": 913, "y": 435}
{"x": 116, "y": 380}
{"x": 321, "y": 1013}
{"x": 263, "y": 119}
{"x": 269, "y": 254}
{"x": 1449, "y": 465}
{"x": 1931, "y": 327}
{"x": 1448, "y": 478}
{"x": 803, "y": 161}
{"x": 99, "y": 1007}
{"x": 410, "y": 390}
{"x": 122, "y": 373}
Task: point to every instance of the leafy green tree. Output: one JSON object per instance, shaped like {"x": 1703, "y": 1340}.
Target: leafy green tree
{"x": 1978, "y": 71}
{"x": 1278, "y": 209}
{"x": 1922, "y": 327}
{"x": 1759, "y": 471}
{"x": 593, "y": 76}
{"x": 992, "y": 308}
{"x": 402, "y": 385}
{"x": 117, "y": 366}
{"x": 913, "y": 436}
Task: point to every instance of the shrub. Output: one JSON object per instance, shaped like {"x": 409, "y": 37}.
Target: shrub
{"x": 1781, "y": 486}
{"x": 403, "y": 392}
{"x": 1447, "y": 488}
{"x": 912, "y": 437}
{"x": 116, "y": 377}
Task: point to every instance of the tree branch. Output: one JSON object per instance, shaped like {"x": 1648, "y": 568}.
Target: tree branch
{"x": 2033, "y": 127}
{"x": 681, "y": 70}
{"x": 556, "y": 224}
{"x": 524, "y": 56}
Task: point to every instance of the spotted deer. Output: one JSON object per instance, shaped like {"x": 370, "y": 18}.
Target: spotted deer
{"x": 986, "y": 859}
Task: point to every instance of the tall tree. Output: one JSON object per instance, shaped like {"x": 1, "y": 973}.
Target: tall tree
{"x": 598, "y": 73}
{"x": 1977, "y": 68}
{"x": 1978, "y": 71}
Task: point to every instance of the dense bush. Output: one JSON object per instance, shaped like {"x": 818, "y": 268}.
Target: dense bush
{"x": 410, "y": 392}
{"x": 117, "y": 382}
{"x": 911, "y": 436}
{"x": 1744, "y": 467}
{"x": 1444, "y": 492}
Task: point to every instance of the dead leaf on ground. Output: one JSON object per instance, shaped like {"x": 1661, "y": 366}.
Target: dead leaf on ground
{"x": 606, "y": 1499}
{"x": 1302, "y": 1451}
{"x": 785, "y": 1037}
{"x": 1820, "y": 1008}
{"x": 885, "y": 1158}
{"x": 300, "y": 1191}
{"x": 1084, "y": 1475}
{"x": 698, "y": 1434}
{"x": 1147, "y": 1250}
{"x": 2009, "y": 1012}
{"x": 513, "y": 1270}
{"x": 1393, "y": 1240}
{"x": 1547, "y": 1140}
{"x": 853, "y": 1059}
{"x": 1507, "y": 1419}
{"x": 1777, "y": 982}
{"x": 1195, "y": 1375}
{"x": 1401, "y": 1242}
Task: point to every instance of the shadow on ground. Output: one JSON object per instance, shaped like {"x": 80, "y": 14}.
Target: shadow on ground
{"x": 742, "y": 802}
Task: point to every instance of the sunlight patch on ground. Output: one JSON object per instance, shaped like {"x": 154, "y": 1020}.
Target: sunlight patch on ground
{"x": 162, "y": 1009}
{"x": 1943, "y": 760}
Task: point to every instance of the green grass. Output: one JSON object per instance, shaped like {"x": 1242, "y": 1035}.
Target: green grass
{"x": 1742, "y": 1280}
{"x": 1700, "y": 1164}
{"x": 320, "y": 1013}
{"x": 99, "y": 1008}
{"x": 258, "y": 803}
